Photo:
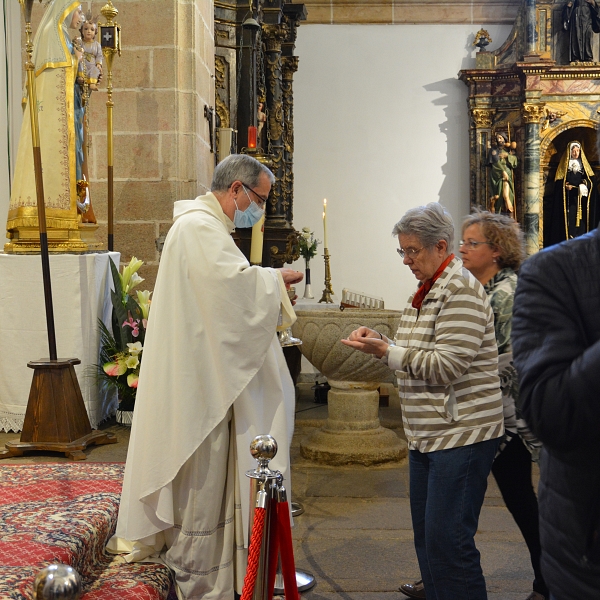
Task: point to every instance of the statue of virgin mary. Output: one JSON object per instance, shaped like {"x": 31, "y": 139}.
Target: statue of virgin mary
{"x": 59, "y": 110}
{"x": 573, "y": 209}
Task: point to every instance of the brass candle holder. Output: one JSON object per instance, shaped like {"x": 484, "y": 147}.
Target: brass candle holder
{"x": 328, "y": 291}
{"x": 110, "y": 40}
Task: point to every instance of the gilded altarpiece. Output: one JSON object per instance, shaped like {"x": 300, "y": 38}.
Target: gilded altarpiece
{"x": 530, "y": 91}
{"x": 254, "y": 66}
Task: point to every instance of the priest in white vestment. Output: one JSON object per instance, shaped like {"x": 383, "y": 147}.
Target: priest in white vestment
{"x": 213, "y": 376}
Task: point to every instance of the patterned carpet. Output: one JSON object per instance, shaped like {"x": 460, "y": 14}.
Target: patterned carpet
{"x": 65, "y": 513}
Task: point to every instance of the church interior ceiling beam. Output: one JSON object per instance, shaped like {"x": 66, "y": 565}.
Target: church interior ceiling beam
{"x": 411, "y": 11}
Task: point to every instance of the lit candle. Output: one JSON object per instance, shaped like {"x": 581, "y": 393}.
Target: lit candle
{"x": 256, "y": 245}
{"x": 325, "y": 223}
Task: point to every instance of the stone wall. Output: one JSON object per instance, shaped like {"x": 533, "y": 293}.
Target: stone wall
{"x": 162, "y": 82}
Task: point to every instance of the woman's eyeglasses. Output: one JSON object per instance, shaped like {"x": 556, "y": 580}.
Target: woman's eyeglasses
{"x": 470, "y": 245}
{"x": 412, "y": 253}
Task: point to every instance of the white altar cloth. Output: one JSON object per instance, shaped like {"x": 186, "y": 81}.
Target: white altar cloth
{"x": 81, "y": 294}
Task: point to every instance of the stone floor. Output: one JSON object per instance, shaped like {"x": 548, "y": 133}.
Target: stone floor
{"x": 355, "y": 535}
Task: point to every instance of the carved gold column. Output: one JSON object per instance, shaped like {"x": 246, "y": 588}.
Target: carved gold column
{"x": 289, "y": 67}
{"x": 532, "y": 115}
{"x": 479, "y": 137}
{"x": 273, "y": 36}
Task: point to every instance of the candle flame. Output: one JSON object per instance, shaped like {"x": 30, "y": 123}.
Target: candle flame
{"x": 324, "y": 202}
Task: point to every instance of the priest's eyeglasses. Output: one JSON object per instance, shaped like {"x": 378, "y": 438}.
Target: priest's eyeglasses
{"x": 471, "y": 244}
{"x": 412, "y": 253}
{"x": 263, "y": 201}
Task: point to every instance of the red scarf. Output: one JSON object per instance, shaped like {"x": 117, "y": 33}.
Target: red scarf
{"x": 426, "y": 285}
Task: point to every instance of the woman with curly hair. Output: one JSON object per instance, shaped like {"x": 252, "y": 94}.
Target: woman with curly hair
{"x": 492, "y": 249}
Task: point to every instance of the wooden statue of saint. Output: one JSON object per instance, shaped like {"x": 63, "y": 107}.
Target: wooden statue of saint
{"x": 502, "y": 161}
{"x": 89, "y": 74}
{"x": 580, "y": 20}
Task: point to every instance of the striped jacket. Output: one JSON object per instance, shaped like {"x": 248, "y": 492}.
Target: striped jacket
{"x": 446, "y": 361}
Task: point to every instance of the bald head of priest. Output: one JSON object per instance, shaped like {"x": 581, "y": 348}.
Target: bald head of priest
{"x": 213, "y": 376}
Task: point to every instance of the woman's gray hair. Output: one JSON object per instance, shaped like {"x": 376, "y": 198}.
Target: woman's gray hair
{"x": 238, "y": 167}
{"x": 430, "y": 223}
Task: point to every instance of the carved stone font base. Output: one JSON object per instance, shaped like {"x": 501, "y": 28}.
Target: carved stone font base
{"x": 352, "y": 433}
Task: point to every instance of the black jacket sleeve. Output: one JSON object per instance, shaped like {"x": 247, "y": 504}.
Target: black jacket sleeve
{"x": 556, "y": 343}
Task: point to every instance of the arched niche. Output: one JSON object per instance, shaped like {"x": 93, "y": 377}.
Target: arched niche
{"x": 552, "y": 147}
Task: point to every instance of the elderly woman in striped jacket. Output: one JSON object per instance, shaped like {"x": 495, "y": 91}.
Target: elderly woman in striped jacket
{"x": 446, "y": 360}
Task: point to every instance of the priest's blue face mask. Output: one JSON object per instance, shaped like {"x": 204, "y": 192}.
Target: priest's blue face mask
{"x": 249, "y": 217}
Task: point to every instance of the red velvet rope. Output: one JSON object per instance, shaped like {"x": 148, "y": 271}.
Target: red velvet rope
{"x": 258, "y": 528}
{"x": 273, "y": 548}
{"x": 288, "y": 568}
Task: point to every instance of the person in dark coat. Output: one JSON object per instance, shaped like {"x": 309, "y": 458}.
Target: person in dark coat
{"x": 556, "y": 351}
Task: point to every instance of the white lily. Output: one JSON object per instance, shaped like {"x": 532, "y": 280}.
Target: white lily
{"x": 128, "y": 272}
{"x": 135, "y": 348}
{"x": 144, "y": 302}
{"x": 132, "y": 361}
{"x": 133, "y": 282}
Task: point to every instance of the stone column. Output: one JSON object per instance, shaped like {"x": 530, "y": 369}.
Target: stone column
{"x": 479, "y": 136}
{"x": 532, "y": 115}
{"x": 289, "y": 67}
{"x": 531, "y": 31}
{"x": 273, "y": 36}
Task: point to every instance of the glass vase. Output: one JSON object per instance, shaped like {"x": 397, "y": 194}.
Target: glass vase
{"x": 307, "y": 289}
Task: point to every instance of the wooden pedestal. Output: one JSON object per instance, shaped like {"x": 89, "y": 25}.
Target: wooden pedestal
{"x": 56, "y": 419}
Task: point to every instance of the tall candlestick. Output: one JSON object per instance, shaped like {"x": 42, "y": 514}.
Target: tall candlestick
{"x": 256, "y": 245}
{"x": 325, "y": 223}
{"x": 328, "y": 291}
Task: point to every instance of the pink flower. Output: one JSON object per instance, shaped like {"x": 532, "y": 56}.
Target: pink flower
{"x": 132, "y": 380}
{"x": 134, "y": 324}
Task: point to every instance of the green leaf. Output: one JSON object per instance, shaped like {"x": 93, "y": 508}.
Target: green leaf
{"x": 122, "y": 334}
{"x": 118, "y": 288}
{"x": 108, "y": 345}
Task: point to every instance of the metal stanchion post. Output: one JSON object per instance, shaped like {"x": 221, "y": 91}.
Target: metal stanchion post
{"x": 262, "y": 480}
{"x": 57, "y": 582}
{"x": 265, "y": 485}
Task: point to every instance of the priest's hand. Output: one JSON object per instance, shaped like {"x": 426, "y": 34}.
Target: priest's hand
{"x": 368, "y": 341}
{"x": 290, "y": 276}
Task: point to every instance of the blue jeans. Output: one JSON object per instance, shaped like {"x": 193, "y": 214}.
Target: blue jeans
{"x": 447, "y": 488}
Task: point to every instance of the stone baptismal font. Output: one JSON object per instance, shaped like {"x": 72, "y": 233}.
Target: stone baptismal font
{"x": 352, "y": 432}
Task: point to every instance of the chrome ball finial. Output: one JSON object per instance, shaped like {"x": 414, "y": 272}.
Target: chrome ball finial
{"x": 263, "y": 448}
{"x": 57, "y": 582}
